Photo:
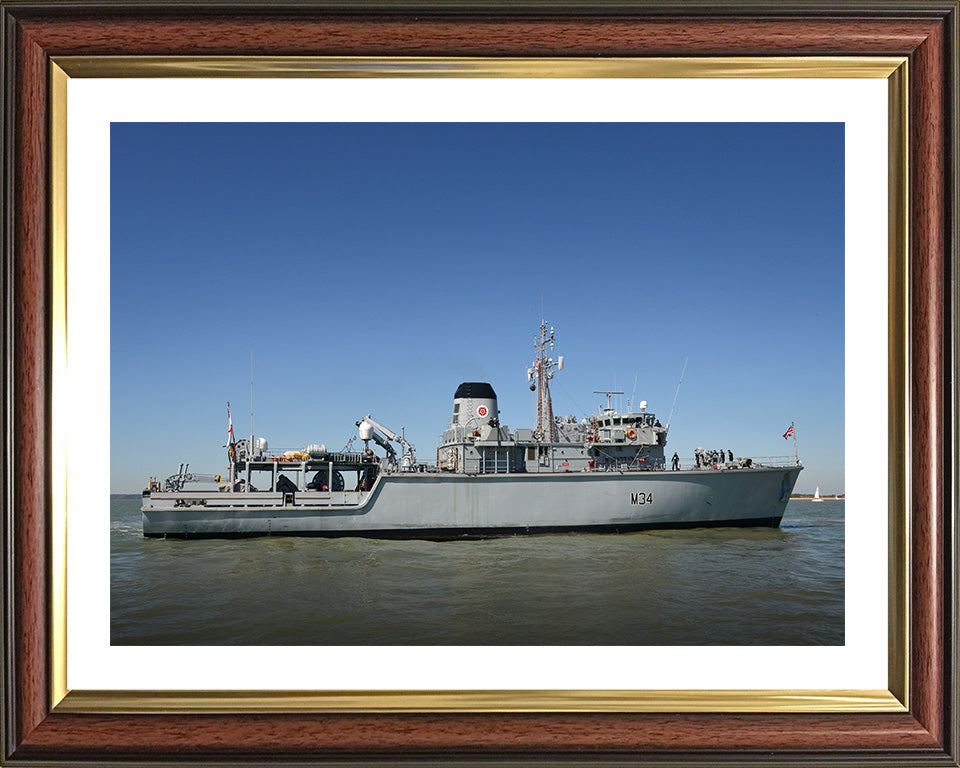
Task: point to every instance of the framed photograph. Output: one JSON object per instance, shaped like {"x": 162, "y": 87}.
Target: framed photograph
{"x": 187, "y": 182}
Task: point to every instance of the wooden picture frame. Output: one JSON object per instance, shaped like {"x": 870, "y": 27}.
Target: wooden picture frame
{"x": 36, "y": 34}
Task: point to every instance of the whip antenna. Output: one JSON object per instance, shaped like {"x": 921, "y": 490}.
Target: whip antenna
{"x": 251, "y": 400}
{"x": 678, "y": 393}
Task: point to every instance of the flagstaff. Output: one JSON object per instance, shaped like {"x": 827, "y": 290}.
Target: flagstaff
{"x": 231, "y": 444}
{"x": 788, "y": 433}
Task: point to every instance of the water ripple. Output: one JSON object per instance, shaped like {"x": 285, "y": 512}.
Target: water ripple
{"x": 695, "y": 587}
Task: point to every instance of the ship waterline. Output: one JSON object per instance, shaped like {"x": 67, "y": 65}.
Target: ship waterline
{"x": 446, "y": 507}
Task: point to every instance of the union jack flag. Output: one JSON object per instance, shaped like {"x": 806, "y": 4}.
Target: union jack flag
{"x": 788, "y": 432}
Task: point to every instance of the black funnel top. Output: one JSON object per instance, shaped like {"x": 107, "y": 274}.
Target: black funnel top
{"x": 476, "y": 389}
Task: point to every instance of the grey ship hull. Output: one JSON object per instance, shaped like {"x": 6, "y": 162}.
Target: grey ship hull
{"x": 453, "y": 506}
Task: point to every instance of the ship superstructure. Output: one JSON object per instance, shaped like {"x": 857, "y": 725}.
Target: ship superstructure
{"x": 605, "y": 473}
{"x": 476, "y": 443}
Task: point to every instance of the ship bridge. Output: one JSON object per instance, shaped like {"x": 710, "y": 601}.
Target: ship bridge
{"x": 475, "y": 442}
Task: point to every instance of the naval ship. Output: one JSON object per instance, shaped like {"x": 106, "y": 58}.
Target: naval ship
{"x": 603, "y": 474}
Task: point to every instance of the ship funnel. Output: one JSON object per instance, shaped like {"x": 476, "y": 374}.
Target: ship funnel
{"x": 474, "y": 404}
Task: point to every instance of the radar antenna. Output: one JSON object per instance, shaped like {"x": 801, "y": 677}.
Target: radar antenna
{"x": 539, "y": 375}
{"x": 609, "y": 393}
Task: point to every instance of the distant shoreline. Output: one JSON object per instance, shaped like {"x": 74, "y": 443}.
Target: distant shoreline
{"x": 124, "y": 495}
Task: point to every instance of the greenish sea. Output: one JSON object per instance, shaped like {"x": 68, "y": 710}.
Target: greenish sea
{"x": 712, "y": 586}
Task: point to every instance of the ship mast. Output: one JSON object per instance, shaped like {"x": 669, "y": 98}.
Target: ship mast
{"x": 543, "y": 369}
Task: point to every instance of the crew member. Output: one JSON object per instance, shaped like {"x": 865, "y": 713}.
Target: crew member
{"x": 676, "y": 461}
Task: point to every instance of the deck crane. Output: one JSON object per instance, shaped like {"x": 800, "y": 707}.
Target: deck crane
{"x": 369, "y": 429}
{"x": 175, "y": 483}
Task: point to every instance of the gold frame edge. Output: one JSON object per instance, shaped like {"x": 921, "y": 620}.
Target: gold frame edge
{"x": 58, "y": 442}
{"x": 893, "y": 700}
{"x": 898, "y": 270}
{"x": 227, "y": 702}
{"x": 427, "y": 66}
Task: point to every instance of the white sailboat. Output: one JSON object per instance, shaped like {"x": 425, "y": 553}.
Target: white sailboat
{"x": 816, "y": 495}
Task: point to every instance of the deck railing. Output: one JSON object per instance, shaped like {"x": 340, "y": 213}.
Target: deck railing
{"x": 756, "y": 461}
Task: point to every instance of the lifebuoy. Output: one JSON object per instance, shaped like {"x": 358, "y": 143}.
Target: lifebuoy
{"x": 631, "y": 434}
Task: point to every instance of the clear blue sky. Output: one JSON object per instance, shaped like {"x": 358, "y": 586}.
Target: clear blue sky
{"x": 371, "y": 268}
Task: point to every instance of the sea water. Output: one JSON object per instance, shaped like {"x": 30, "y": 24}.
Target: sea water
{"x": 711, "y": 586}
